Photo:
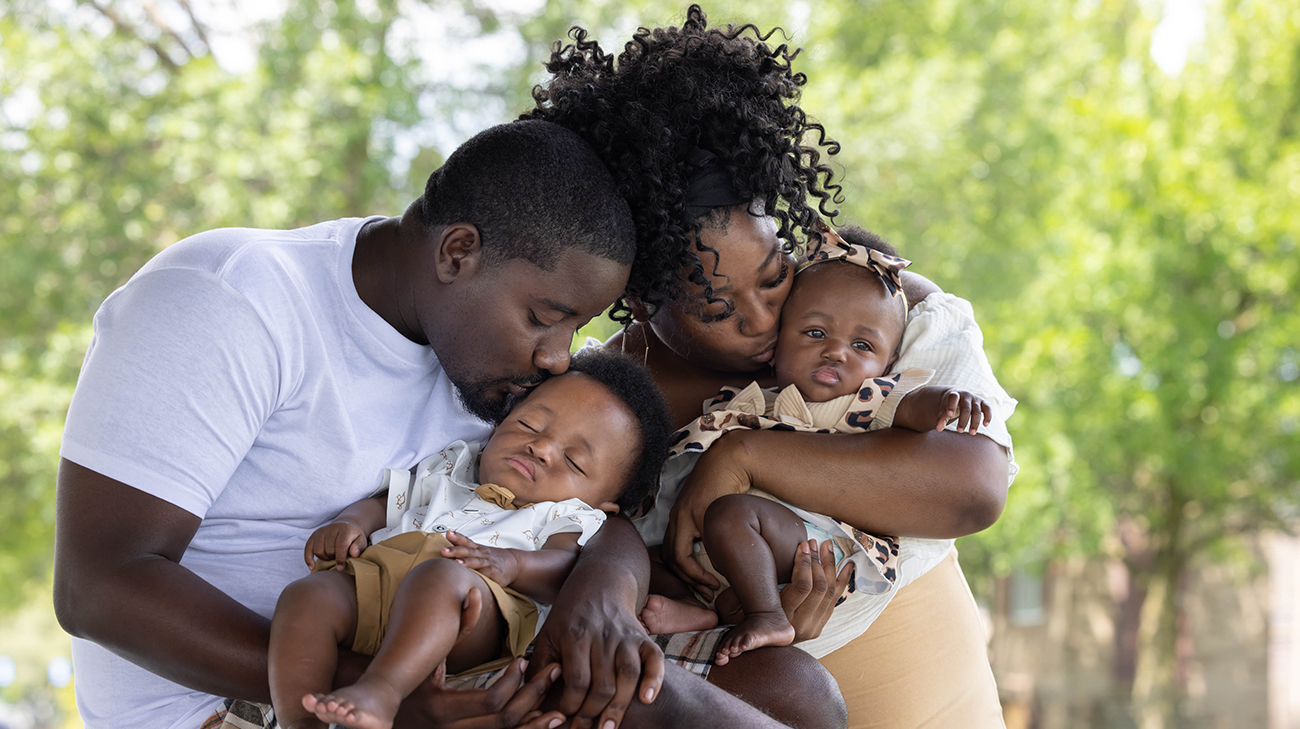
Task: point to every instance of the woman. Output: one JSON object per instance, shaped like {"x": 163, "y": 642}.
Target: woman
{"x": 701, "y": 128}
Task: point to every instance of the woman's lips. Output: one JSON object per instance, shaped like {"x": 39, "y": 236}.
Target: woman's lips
{"x": 522, "y": 466}
{"x": 766, "y": 355}
{"x": 826, "y": 376}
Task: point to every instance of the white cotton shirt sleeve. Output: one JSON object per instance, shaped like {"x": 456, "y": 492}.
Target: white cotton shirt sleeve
{"x": 203, "y": 375}
{"x": 942, "y": 335}
{"x": 568, "y": 516}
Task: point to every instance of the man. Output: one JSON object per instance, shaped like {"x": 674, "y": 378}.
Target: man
{"x": 246, "y": 385}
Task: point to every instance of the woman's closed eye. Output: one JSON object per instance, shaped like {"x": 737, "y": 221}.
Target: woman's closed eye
{"x": 780, "y": 277}
{"x": 527, "y": 426}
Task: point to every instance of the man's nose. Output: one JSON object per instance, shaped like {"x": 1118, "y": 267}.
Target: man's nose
{"x": 552, "y": 355}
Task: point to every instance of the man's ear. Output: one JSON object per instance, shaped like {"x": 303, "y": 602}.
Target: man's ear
{"x": 460, "y": 252}
{"x": 609, "y": 507}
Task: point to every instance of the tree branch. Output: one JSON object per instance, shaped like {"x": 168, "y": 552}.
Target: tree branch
{"x": 127, "y": 29}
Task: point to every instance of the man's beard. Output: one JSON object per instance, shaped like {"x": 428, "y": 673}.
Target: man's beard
{"x": 474, "y": 396}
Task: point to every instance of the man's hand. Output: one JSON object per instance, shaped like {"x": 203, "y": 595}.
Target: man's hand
{"x": 595, "y": 633}
{"x": 508, "y": 703}
{"x": 494, "y": 563}
{"x": 337, "y": 541}
{"x": 932, "y": 408}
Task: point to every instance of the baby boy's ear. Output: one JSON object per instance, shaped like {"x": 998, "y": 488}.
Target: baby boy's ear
{"x": 609, "y": 507}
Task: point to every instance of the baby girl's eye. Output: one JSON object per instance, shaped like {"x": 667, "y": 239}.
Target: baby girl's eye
{"x": 815, "y": 333}
{"x": 865, "y": 347}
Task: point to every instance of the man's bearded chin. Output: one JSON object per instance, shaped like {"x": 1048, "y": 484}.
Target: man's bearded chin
{"x": 481, "y": 402}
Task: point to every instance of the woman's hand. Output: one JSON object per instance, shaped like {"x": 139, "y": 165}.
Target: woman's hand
{"x": 719, "y": 472}
{"x": 814, "y": 589}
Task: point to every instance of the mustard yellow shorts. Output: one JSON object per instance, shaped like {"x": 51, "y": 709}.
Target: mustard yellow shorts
{"x": 383, "y": 566}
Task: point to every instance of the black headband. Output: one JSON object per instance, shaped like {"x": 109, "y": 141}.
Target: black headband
{"x": 708, "y": 186}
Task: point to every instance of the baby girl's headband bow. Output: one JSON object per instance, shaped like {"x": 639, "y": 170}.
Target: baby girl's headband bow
{"x": 833, "y": 248}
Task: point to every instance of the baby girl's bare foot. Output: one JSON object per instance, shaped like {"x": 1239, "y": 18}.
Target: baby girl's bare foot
{"x": 363, "y": 705}
{"x": 662, "y": 615}
{"x": 755, "y": 631}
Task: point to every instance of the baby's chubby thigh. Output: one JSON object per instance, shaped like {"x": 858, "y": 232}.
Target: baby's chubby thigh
{"x": 440, "y": 595}
{"x": 737, "y": 524}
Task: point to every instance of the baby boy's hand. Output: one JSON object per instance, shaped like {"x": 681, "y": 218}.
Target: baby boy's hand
{"x": 337, "y": 541}
{"x": 499, "y": 565}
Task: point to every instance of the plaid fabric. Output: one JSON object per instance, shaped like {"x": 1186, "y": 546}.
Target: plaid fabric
{"x": 692, "y": 651}
{"x": 237, "y": 714}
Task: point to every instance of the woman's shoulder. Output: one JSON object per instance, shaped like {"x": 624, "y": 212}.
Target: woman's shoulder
{"x": 918, "y": 287}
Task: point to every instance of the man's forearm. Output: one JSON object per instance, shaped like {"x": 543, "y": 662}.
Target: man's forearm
{"x": 166, "y": 619}
{"x": 893, "y": 481}
{"x": 614, "y": 561}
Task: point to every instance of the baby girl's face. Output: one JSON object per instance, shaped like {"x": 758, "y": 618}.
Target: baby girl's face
{"x": 571, "y": 438}
{"x": 839, "y": 327}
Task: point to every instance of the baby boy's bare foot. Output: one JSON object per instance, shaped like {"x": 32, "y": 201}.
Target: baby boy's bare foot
{"x": 755, "y": 631}
{"x": 662, "y": 615}
{"x": 363, "y": 705}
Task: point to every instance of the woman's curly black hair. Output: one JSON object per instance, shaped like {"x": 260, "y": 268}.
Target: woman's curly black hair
{"x": 673, "y": 90}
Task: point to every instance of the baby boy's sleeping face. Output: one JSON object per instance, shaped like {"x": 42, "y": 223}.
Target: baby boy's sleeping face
{"x": 571, "y": 438}
{"x": 839, "y": 327}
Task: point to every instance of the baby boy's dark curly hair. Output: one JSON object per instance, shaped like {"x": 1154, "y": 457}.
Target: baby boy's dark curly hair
{"x": 674, "y": 91}
{"x": 631, "y": 383}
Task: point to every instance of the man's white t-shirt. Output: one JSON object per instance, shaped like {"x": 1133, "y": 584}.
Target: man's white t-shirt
{"x": 240, "y": 376}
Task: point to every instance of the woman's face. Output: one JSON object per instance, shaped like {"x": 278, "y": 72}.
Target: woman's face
{"x": 754, "y": 274}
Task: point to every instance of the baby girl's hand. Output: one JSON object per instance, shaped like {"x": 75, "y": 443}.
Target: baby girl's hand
{"x": 337, "y": 541}
{"x": 932, "y": 408}
{"x": 499, "y": 565}
{"x": 967, "y": 409}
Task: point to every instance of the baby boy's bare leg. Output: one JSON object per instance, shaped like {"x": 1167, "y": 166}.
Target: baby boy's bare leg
{"x": 751, "y": 541}
{"x": 313, "y": 617}
{"x": 672, "y": 607}
{"x": 423, "y": 629}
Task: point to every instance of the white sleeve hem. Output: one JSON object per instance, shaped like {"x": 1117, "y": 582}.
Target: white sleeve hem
{"x": 131, "y": 474}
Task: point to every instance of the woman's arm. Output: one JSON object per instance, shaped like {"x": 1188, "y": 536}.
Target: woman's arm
{"x": 894, "y": 481}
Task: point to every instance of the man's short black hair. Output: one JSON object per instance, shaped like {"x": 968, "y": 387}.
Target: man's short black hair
{"x": 631, "y": 383}
{"x": 534, "y": 190}
{"x": 859, "y": 237}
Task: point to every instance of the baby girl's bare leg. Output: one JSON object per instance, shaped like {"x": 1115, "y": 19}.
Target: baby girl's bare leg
{"x": 314, "y": 616}
{"x": 423, "y": 626}
{"x": 751, "y": 541}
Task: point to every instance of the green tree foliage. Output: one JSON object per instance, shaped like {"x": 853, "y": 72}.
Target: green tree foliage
{"x": 1128, "y": 238}
{"x": 119, "y": 138}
